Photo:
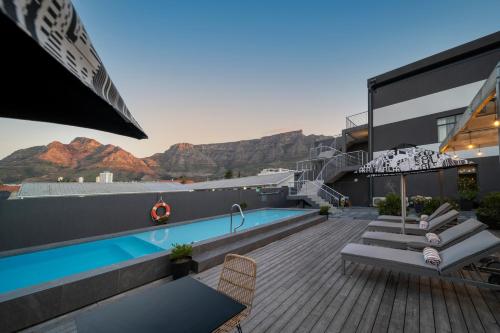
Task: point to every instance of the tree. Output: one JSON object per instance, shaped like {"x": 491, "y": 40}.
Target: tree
{"x": 228, "y": 174}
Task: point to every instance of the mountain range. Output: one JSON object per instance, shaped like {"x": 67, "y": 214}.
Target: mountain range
{"x": 86, "y": 158}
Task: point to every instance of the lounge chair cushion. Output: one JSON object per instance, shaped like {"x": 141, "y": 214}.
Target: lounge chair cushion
{"x": 399, "y": 260}
{"x": 393, "y": 240}
{"x": 468, "y": 251}
{"x": 461, "y": 231}
{"x": 393, "y": 218}
{"x": 444, "y": 208}
{"x": 448, "y": 237}
{"x": 452, "y": 259}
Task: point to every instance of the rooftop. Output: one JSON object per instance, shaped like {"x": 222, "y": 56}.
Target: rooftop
{"x": 36, "y": 190}
{"x": 301, "y": 288}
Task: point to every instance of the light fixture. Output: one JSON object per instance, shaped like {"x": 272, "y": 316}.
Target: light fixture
{"x": 470, "y": 145}
{"x": 455, "y": 156}
{"x": 496, "y": 123}
{"x": 479, "y": 152}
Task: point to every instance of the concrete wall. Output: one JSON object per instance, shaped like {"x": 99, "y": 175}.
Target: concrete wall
{"x": 32, "y": 222}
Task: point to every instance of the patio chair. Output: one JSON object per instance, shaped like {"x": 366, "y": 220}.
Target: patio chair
{"x": 413, "y": 229}
{"x": 444, "y": 208}
{"x": 237, "y": 280}
{"x": 453, "y": 259}
{"x": 448, "y": 237}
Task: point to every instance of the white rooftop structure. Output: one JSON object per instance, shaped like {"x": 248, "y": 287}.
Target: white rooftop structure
{"x": 269, "y": 180}
{"x": 37, "y": 190}
{"x": 269, "y": 171}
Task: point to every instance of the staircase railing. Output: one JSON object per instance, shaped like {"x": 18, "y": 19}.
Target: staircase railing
{"x": 340, "y": 162}
{"x": 315, "y": 152}
{"x": 310, "y": 187}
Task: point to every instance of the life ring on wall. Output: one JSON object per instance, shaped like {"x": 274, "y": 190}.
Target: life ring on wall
{"x": 154, "y": 214}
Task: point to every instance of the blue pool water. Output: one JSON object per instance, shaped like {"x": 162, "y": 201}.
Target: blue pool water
{"x": 33, "y": 268}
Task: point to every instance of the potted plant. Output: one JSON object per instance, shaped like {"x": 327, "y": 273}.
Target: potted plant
{"x": 180, "y": 260}
{"x": 324, "y": 210}
{"x": 467, "y": 198}
{"x": 418, "y": 203}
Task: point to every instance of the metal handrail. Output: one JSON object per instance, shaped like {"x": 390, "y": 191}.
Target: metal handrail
{"x": 316, "y": 151}
{"x": 343, "y": 160}
{"x": 231, "y": 217}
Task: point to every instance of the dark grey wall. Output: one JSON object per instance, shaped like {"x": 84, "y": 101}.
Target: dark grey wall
{"x": 357, "y": 191}
{"x": 31, "y": 222}
{"x": 416, "y": 131}
{"x": 450, "y": 76}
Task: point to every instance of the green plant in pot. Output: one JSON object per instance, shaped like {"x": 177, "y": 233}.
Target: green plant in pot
{"x": 418, "y": 203}
{"x": 467, "y": 192}
{"x": 180, "y": 260}
{"x": 324, "y": 210}
{"x": 467, "y": 198}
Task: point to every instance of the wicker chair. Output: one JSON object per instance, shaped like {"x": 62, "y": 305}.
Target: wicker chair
{"x": 237, "y": 280}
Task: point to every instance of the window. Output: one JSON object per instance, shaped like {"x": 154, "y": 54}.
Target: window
{"x": 445, "y": 125}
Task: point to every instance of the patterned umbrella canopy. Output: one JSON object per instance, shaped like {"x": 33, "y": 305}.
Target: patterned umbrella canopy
{"x": 410, "y": 160}
{"x": 404, "y": 160}
{"x": 52, "y": 73}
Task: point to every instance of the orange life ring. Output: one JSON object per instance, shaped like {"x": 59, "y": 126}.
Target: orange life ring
{"x": 160, "y": 218}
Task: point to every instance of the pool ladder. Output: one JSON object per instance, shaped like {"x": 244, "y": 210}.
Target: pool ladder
{"x": 231, "y": 216}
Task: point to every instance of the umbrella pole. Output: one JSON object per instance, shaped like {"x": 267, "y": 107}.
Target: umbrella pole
{"x": 403, "y": 202}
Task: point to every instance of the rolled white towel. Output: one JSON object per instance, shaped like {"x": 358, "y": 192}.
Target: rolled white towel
{"x": 424, "y": 217}
{"x": 431, "y": 256}
{"x": 433, "y": 238}
{"x": 423, "y": 225}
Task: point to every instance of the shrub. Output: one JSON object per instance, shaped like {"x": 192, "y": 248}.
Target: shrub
{"x": 243, "y": 205}
{"x": 181, "y": 251}
{"x": 489, "y": 210}
{"x": 431, "y": 205}
{"x": 390, "y": 206}
{"x": 323, "y": 210}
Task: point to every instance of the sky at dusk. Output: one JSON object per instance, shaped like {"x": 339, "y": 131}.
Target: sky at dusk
{"x": 216, "y": 71}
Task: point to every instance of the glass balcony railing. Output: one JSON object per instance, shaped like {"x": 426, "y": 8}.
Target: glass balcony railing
{"x": 356, "y": 120}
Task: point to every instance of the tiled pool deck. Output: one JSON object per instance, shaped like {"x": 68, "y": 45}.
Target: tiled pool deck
{"x": 300, "y": 288}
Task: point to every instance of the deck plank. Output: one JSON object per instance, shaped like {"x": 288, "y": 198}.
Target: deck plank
{"x": 397, "y": 321}
{"x": 412, "y": 315}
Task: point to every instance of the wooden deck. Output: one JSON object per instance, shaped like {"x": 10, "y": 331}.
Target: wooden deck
{"x": 300, "y": 288}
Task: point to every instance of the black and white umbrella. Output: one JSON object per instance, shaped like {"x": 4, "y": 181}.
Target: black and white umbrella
{"x": 52, "y": 73}
{"x": 408, "y": 160}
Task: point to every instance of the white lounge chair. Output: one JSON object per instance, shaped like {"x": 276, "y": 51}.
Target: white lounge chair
{"x": 413, "y": 229}
{"x": 453, "y": 259}
{"x": 444, "y": 208}
{"x": 448, "y": 237}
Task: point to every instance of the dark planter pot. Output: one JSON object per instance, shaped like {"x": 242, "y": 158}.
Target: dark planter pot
{"x": 466, "y": 204}
{"x": 418, "y": 208}
{"x": 180, "y": 267}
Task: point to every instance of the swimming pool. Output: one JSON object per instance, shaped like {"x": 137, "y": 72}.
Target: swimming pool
{"x": 24, "y": 270}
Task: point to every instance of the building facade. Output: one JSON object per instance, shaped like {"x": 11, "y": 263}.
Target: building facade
{"x": 420, "y": 103}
